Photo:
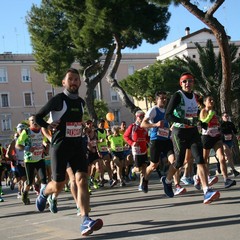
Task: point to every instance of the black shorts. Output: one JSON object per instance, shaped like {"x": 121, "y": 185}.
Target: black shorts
{"x": 159, "y": 147}
{"x": 19, "y": 171}
{"x": 92, "y": 157}
{"x": 140, "y": 160}
{"x": 120, "y": 155}
{"x": 68, "y": 151}
{"x": 209, "y": 142}
{"x": 30, "y": 171}
{"x": 187, "y": 138}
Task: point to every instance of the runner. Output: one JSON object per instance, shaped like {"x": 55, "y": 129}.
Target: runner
{"x": 161, "y": 145}
{"x": 211, "y": 138}
{"x": 31, "y": 141}
{"x": 137, "y": 138}
{"x": 182, "y": 111}
{"x": 66, "y": 113}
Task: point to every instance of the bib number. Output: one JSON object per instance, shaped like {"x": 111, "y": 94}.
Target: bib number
{"x": 73, "y": 129}
{"x": 163, "y": 132}
{"x": 227, "y": 137}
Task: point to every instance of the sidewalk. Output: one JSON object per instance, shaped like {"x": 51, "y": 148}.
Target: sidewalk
{"x": 128, "y": 214}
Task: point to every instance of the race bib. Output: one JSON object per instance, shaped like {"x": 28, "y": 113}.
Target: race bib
{"x": 213, "y": 132}
{"x": 119, "y": 149}
{"x": 103, "y": 149}
{"x": 37, "y": 153}
{"x": 227, "y": 137}
{"x": 73, "y": 129}
{"x": 136, "y": 150}
{"x": 163, "y": 132}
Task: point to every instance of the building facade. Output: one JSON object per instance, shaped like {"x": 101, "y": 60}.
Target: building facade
{"x": 23, "y": 90}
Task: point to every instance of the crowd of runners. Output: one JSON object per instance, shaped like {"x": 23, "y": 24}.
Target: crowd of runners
{"x": 174, "y": 139}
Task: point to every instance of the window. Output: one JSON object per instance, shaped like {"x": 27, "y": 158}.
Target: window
{"x": 131, "y": 70}
{"x": 4, "y": 100}
{"x": 28, "y": 100}
{"x": 194, "y": 56}
{"x": 116, "y": 116}
{"x": 6, "y": 122}
{"x": 114, "y": 96}
{"x": 3, "y": 75}
{"x": 49, "y": 95}
{"x": 25, "y": 71}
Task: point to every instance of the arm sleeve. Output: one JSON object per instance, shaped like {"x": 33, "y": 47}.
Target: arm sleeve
{"x": 54, "y": 104}
{"x": 209, "y": 117}
{"x": 173, "y": 103}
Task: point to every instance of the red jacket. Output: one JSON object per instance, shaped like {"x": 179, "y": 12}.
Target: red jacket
{"x": 135, "y": 133}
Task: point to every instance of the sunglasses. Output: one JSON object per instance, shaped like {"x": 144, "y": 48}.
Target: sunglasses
{"x": 187, "y": 80}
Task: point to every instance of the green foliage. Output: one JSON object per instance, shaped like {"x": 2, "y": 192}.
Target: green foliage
{"x": 101, "y": 109}
{"x": 208, "y": 72}
{"x": 161, "y": 76}
{"x": 49, "y": 33}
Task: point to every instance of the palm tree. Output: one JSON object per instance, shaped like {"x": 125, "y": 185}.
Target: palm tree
{"x": 208, "y": 73}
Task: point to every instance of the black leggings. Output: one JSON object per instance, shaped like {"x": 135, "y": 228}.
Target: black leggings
{"x": 187, "y": 138}
{"x": 30, "y": 171}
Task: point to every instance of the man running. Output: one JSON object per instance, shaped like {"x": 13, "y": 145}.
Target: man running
{"x": 182, "y": 111}
{"x": 66, "y": 112}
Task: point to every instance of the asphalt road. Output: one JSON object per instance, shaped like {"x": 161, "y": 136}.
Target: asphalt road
{"x": 128, "y": 214}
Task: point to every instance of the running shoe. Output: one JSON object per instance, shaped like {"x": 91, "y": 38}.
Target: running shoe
{"x": 41, "y": 201}
{"x": 132, "y": 175}
{"x": 78, "y": 212}
{"x": 89, "y": 225}
{"x": 12, "y": 185}
{"x": 186, "y": 180}
{"x": 229, "y": 183}
{"x": 113, "y": 183}
{"x": 52, "y": 204}
{"x": 19, "y": 195}
{"x": 140, "y": 188}
{"x": 1, "y": 199}
{"x": 236, "y": 173}
{"x": 122, "y": 183}
{"x": 212, "y": 180}
{"x": 25, "y": 198}
{"x": 145, "y": 185}
{"x": 197, "y": 183}
{"x": 37, "y": 189}
{"x": 167, "y": 187}
{"x": 66, "y": 189}
{"x": 179, "y": 190}
{"x": 210, "y": 196}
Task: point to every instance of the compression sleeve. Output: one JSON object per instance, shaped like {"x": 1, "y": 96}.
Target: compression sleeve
{"x": 208, "y": 117}
{"x": 173, "y": 103}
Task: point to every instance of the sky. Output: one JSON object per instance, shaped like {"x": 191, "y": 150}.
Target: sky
{"x": 14, "y": 36}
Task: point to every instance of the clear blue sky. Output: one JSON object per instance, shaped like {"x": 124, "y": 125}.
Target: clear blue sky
{"x": 14, "y": 35}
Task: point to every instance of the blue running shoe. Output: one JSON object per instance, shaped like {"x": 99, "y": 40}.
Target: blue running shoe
{"x": 210, "y": 196}
{"x": 89, "y": 225}
{"x": 41, "y": 201}
{"x": 167, "y": 187}
{"x": 52, "y": 204}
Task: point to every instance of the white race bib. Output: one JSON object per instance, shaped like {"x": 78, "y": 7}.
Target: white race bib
{"x": 163, "y": 132}
{"x": 73, "y": 129}
{"x": 227, "y": 137}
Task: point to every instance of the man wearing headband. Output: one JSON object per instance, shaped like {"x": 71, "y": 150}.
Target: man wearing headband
{"x": 182, "y": 111}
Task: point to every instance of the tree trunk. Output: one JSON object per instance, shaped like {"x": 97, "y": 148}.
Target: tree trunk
{"x": 114, "y": 84}
{"x": 222, "y": 39}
